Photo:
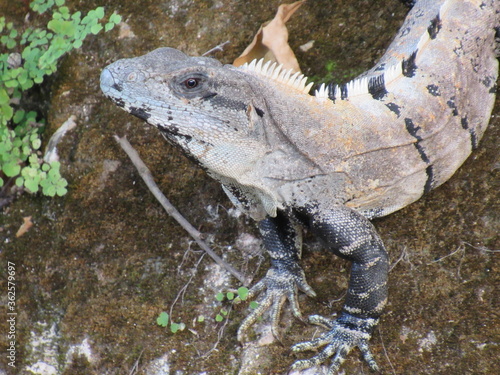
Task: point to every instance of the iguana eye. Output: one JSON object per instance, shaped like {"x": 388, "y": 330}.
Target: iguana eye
{"x": 191, "y": 83}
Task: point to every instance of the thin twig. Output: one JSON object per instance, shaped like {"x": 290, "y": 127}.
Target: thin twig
{"x": 220, "y": 47}
{"x": 182, "y": 292}
{"x": 146, "y": 175}
{"x": 401, "y": 257}
{"x": 135, "y": 368}
{"x": 220, "y": 333}
{"x": 460, "y": 248}
{"x": 385, "y": 350}
{"x": 482, "y": 248}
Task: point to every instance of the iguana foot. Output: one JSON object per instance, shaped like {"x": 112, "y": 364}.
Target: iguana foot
{"x": 280, "y": 284}
{"x": 344, "y": 333}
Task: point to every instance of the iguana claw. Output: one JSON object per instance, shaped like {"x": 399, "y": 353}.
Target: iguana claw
{"x": 281, "y": 283}
{"x": 344, "y": 333}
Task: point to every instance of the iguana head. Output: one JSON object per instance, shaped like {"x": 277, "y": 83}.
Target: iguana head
{"x": 211, "y": 111}
{"x": 217, "y": 114}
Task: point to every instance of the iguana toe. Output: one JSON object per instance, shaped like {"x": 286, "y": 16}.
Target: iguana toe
{"x": 344, "y": 333}
{"x": 280, "y": 284}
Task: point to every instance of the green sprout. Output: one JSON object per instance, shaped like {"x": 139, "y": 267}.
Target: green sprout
{"x": 220, "y": 297}
{"x": 163, "y": 319}
{"x": 240, "y": 295}
{"x": 31, "y": 55}
{"x": 243, "y": 293}
{"x": 174, "y": 327}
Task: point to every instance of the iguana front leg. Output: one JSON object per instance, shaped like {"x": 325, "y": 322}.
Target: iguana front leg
{"x": 281, "y": 238}
{"x": 351, "y": 236}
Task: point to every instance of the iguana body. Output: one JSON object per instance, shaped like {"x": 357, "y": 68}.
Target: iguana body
{"x": 331, "y": 161}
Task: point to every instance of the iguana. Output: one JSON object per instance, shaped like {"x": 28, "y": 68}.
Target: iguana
{"x": 329, "y": 161}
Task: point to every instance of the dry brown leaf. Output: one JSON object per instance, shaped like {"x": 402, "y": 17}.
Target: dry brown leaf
{"x": 24, "y": 226}
{"x": 271, "y": 41}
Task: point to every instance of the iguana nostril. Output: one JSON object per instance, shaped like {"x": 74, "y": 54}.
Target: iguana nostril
{"x": 108, "y": 82}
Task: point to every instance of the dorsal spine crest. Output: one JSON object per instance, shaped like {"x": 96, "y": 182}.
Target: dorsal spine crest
{"x": 277, "y": 73}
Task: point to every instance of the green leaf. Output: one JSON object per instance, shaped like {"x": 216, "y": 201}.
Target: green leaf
{"x": 61, "y": 27}
{"x": 201, "y": 319}
{"x": 219, "y": 297}
{"x": 18, "y": 116}
{"x": 4, "y": 97}
{"x": 109, "y": 26}
{"x": 53, "y": 175}
{"x": 64, "y": 12}
{"x": 243, "y": 293}
{"x": 11, "y": 43}
{"x": 174, "y": 327}
{"x": 11, "y": 83}
{"x": 11, "y": 169}
{"x": 56, "y": 165}
{"x": 41, "y": 6}
{"x": 76, "y": 16}
{"x": 31, "y": 117}
{"x": 254, "y": 305}
{"x": 230, "y": 296}
{"x": 162, "y": 319}
{"x": 115, "y": 18}
{"x": 99, "y": 12}
{"x": 61, "y": 191}
{"x": 96, "y": 28}
{"x": 5, "y": 147}
{"x": 26, "y": 150}
{"x": 23, "y": 78}
{"x": 49, "y": 190}
{"x": 27, "y": 85}
{"x": 31, "y": 185}
{"x": 219, "y": 318}
{"x": 15, "y": 72}
{"x": 33, "y": 160}
{"x": 36, "y": 144}
{"x": 87, "y": 19}
{"x": 6, "y": 111}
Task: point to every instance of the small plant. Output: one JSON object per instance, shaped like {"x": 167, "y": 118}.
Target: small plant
{"x": 34, "y": 54}
{"x": 220, "y": 316}
{"x": 241, "y": 295}
{"x": 163, "y": 320}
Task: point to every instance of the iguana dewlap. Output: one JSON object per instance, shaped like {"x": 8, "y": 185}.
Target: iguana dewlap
{"x": 332, "y": 160}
